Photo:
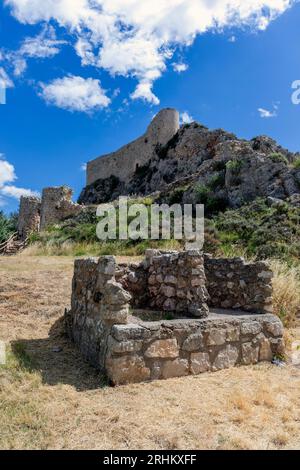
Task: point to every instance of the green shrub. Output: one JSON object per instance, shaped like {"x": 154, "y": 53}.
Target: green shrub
{"x": 277, "y": 157}
{"x": 8, "y": 225}
{"x": 296, "y": 163}
{"x": 234, "y": 165}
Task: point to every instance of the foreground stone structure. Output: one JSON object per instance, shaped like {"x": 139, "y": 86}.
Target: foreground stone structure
{"x": 134, "y": 345}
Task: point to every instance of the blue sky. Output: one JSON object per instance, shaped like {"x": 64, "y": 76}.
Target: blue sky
{"x": 81, "y": 85}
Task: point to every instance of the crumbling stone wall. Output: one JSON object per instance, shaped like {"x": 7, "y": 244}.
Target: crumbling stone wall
{"x": 97, "y": 303}
{"x": 29, "y": 216}
{"x": 168, "y": 281}
{"x": 176, "y": 348}
{"x": 124, "y": 162}
{"x": 57, "y": 205}
{"x": 177, "y": 282}
{"x": 128, "y": 349}
{"x": 235, "y": 284}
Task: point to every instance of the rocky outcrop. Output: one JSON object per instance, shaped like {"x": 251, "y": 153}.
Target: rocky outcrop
{"x": 212, "y": 167}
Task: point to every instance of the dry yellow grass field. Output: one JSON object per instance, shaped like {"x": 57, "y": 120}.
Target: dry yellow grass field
{"x": 53, "y": 400}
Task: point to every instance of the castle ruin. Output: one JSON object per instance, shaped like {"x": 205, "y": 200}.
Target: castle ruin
{"x": 124, "y": 162}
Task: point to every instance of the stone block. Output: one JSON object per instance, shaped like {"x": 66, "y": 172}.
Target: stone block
{"x": 200, "y": 363}
{"x": 127, "y": 369}
{"x": 250, "y": 353}
{"x": 216, "y": 337}
{"x": 163, "y": 348}
{"x": 226, "y": 358}
{"x": 175, "y": 368}
{"x": 193, "y": 342}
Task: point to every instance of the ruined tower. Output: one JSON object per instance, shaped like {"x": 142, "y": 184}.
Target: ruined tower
{"x": 124, "y": 162}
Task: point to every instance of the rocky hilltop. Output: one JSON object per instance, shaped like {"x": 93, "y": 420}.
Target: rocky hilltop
{"x": 214, "y": 167}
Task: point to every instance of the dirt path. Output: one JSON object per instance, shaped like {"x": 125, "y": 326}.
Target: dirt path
{"x": 50, "y": 398}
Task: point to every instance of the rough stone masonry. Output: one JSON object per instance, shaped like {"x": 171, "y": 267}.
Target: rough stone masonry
{"x": 112, "y": 336}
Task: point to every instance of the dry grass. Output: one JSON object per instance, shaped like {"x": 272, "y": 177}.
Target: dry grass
{"x": 53, "y": 400}
{"x": 286, "y": 297}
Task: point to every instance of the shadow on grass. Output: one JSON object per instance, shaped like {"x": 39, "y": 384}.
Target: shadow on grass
{"x": 57, "y": 360}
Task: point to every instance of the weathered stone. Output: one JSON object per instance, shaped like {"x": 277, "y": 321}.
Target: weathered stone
{"x": 275, "y": 327}
{"x": 164, "y": 348}
{"x": 127, "y": 369}
{"x": 57, "y": 205}
{"x": 250, "y": 353}
{"x": 129, "y": 331}
{"x": 233, "y": 333}
{"x": 226, "y": 358}
{"x": 265, "y": 351}
{"x": 175, "y": 368}
{"x": 194, "y": 342}
{"x": 200, "y": 363}
{"x": 250, "y": 328}
{"x": 170, "y": 280}
{"x": 217, "y": 337}
{"x": 121, "y": 347}
{"x": 168, "y": 291}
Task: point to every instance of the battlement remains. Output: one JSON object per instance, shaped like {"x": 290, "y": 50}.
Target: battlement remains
{"x": 124, "y": 162}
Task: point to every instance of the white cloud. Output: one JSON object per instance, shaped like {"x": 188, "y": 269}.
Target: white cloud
{"x": 137, "y": 38}
{"x": 15, "y": 192}
{"x": 44, "y": 45}
{"x": 5, "y": 81}
{"x": 180, "y": 67}
{"x": 75, "y": 94}
{"x": 7, "y": 172}
{"x": 83, "y": 167}
{"x": 186, "y": 118}
{"x": 267, "y": 114}
{"x": 144, "y": 91}
{"x": 7, "y": 176}
{"x": 232, "y": 39}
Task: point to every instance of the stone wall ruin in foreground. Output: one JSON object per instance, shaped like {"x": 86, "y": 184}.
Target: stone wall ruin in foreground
{"x": 109, "y": 301}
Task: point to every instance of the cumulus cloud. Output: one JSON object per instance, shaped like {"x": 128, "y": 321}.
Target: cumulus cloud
{"x": 44, "y": 45}
{"x": 267, "y": 114}
{"x": 186, "y": 118}
{"x": 137, "y": 38}
{"x": 8, "y": 176}
{"x": 75, "y": 94}
{"x": 7, "y": 172}
{"x": 15, "y": 192}
{"x": 180, "y": 67}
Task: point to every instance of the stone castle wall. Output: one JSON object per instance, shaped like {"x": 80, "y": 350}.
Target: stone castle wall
{"x": 29, "y": 216}
{"x": 167, "y": 281}
{"x": 233, "y": 283}
{"x": 128, "y": 349}
{"x": 57, "y": 205}
{"x": 124, "y": 162}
